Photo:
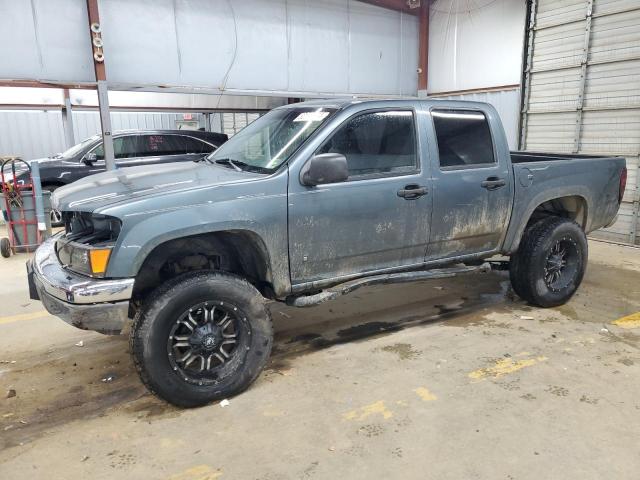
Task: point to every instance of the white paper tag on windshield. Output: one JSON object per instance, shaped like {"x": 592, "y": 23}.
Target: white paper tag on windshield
{"x": 311, "y": 117}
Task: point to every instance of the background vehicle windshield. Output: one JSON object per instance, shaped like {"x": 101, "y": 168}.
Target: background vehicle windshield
{"x": 273, "y": 138}
{"x": 73, "y": 151}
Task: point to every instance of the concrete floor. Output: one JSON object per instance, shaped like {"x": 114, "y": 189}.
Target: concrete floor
{"x": 435, "y": 380}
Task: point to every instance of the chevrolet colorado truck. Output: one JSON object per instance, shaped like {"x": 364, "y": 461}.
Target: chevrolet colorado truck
{"x": 311, "y": 201}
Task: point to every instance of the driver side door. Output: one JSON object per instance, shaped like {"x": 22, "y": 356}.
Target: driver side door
{"x": 368, "y": 222}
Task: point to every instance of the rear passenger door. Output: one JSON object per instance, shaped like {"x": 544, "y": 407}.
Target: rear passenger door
{"x": 471, "y": 185}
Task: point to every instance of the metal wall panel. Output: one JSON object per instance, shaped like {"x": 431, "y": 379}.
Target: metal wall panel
{"x": 475, "y": 44}
{"x": 506, "y": 102}
{"x": 45, "y": 40}
{"x": 36, "y": 133}
{"x": 582, "y": 92}
{"x": 274, "y": 47}
{"x": 30, "y": 133}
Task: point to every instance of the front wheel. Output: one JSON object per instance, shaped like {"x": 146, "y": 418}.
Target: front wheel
{"x": 550, "y": 263}
{"x": 201, "y": 337}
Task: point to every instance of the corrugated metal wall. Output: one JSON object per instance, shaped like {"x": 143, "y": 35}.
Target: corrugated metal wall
{"x": 37, "y": 133}
{"x": 506, "y": 102}
{"x": 86, "y": 124}
{"x": 30, "y": 133}
{"x": 582, "y": 88}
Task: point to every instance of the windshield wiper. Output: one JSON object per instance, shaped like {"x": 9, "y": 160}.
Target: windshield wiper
{"x": 204, "y": 158}
{"x": 228, "y": 161}
{"x": 242, "y": 166}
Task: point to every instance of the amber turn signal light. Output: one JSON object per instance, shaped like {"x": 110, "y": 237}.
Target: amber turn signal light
{"x": 99, "y": 258}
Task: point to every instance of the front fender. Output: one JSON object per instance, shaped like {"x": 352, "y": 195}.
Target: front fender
{"x": 263, "y": 215}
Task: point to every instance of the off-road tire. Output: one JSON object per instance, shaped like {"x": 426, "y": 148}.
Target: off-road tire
{"x": 152, "y": 326}
{"x": 528, "y": 266}
{"x": 5, "y": 247}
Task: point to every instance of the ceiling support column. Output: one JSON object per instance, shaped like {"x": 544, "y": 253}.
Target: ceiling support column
{"x": 423, "y": 48}
{"x": 67, "y": 121}
{"x": 95, "y": 31}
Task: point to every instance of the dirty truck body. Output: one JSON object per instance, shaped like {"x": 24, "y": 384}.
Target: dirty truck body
{"x": 310, "y": 201}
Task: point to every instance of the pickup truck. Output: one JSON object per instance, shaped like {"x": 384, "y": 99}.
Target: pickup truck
{"x": 309, "y": 202}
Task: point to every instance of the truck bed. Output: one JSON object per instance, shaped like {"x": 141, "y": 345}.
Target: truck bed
{"x": 526, "y": 157}
{"x": 590, "y": 184}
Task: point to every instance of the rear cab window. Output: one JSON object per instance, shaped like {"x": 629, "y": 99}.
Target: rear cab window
{"x": 464, "y": 139}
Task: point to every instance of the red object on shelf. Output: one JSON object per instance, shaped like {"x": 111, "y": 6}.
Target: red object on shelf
{"x": 13, "y": 194}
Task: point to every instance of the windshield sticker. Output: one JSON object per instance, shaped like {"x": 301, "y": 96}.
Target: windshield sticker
{"x": 311, "y": 117}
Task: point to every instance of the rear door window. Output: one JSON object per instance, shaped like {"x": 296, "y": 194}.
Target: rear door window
{"x": 464, "y": 138}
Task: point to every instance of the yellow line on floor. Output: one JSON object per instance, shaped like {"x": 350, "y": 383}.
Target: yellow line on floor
{"x": 505, "y": 366}
{"x": 630, "y": 321}
{"x": 24, "y": 316}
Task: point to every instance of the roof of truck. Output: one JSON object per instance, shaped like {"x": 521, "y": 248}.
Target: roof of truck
{"x": 339, "y": 103}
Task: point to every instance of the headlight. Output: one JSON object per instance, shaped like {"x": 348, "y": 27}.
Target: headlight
{"x": 87, "y": 243}
{"x": 85, "y": 259}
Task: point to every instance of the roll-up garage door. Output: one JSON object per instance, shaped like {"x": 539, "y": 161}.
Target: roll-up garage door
{"x": 582, "y": 88}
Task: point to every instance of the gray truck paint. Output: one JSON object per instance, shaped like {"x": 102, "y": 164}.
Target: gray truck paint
{"x": 319, "y": 236}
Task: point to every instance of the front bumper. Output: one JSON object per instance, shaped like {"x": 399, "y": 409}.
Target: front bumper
{"x": 101, "y": 305}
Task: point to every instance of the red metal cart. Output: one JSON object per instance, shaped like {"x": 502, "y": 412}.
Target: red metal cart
{"x": 24, "y": 235}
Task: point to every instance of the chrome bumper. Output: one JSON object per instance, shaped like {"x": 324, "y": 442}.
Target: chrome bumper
{"x": 86, "y": 303}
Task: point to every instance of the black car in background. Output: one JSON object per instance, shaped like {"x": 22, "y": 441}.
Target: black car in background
{"x": 131, "y": 148}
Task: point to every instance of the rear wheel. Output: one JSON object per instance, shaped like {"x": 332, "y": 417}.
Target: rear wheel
{"x": 201, "y": 337}
{"x": 550, "y": 263}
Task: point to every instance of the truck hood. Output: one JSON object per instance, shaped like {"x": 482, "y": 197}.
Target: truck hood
{"x": 128, "y": 184}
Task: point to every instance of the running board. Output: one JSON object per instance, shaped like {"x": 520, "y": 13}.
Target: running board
{"x": 348, "y": 287}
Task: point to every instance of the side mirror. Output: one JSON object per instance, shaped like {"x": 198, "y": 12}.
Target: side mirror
{"x": 324, "y": 168}
{"x": 89, "y": 158}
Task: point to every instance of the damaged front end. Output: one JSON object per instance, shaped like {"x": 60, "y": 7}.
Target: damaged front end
{"x": 87, "y": 243}
{"x": 68, "y": 274}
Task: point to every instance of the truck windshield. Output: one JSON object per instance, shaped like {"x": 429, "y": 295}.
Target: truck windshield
{"x": 270, "y": 140}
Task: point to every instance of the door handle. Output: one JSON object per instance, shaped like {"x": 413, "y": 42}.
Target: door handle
{"x": 412, "y": 191}
{"x": 493, "y": 183}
